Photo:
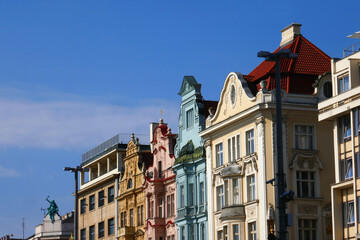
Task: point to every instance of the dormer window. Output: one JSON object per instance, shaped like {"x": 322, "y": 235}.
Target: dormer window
{"x": 189, "y": 118}
{"x": 343, "y": 83}
{"x": 327, "y": 89}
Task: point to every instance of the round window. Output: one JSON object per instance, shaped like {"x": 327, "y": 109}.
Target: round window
{"x": 328, "y": 89}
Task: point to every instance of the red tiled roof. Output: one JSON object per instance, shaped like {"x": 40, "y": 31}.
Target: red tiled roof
{"x": 297, "y": 75}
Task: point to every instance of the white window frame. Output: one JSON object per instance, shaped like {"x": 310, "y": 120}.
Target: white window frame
{"x": 341, "y": 81}
{"x": 251, "y": 187}
{"x": 252, "y": 233}
{"x": 298, "y": 136}
{"x": 236, "y": 191}
{"x": 233, "y": 148}
{"x": 220, "y": 200}
{"x": 235, "y": 235}
{"x": 250, "y": 141}
{"x": 219, "y": 154}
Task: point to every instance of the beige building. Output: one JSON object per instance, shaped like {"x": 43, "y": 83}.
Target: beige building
{"x": 98, "y": 207}
{"x": 131, "y": 198}
{"x": 241, "y": 148}
{"x": 342, "y": 111}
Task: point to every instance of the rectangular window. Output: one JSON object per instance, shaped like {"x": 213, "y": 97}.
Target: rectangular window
{"x": 101, "y": 230}
{"x": 182, "y": 232}
{"x": 305, "y": 184}
{"x": 123, "y": 219}
{"x": 159, "y": 169}
{"x": 203, "y": 231}
{"x": 138, "y": 216}
{"x": 350, "y": 216}
{"x": 190, "y": 118}
{"x": 348, "y": 167}
{"x": 219, "y": 155}
{"x": 233, "y": 148}
{"x": 191, "y": 195}
{"x": 142, "y": 214}
{"x": 219, "y": 197}
{"x": 356, "y": 121}
{"x": 92, "y": 232}
{"x": 304, "y": 137}
{"x": 151, "y": 209}
{"x": 110, "y": 194}
{"x": 172, "y": 204}
{"x": 91, "y": 202}
{"x": 131, "y": 217}
{"x": 111, "y": 226}
{"x": 101, "y": 198}
{"x": 226, "y": 193}
{"x": 192, "y": 232}
{"x": 250, "y": 142}
{"x": 236, "y": 194}
{"x": 252, "y": 231}
{"x": 160, "y": 202}
{"x": 307, "y": 229}
{"x": 236, "y": 232}
{"x": 251, "y": 188}
{"x": 344, "y": 128}
{"x": 220, "y": 235}
{"x": 83, "y": 206}
{"x": 225, "y": 230}
{"x": 343, "y": 82}
{"x": 83, "y": 234}
{"x": 202, "y": 193}
{"x": 168, "y": 206}
{"x": 182, "y": 196}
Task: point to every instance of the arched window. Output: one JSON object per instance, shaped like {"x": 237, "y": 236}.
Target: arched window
{"x": 130, "y": 184}
{"x": 328, "y": 89}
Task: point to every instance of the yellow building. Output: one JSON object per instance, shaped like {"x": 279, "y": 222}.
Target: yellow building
{"x": 241, "y": 149}
{"x": 131, "y": 198}
{"x": 342, "y": 110}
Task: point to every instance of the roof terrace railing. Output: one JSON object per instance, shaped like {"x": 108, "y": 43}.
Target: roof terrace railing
{"x": 352, "y": 49}
{"x": 121, "y": 138}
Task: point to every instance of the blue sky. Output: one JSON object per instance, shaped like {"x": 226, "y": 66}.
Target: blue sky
{"x": 75, "y": 73}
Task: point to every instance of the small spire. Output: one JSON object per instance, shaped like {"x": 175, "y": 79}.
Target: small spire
{"x": 161, "y": 119}
{"x": 133, "y": 137}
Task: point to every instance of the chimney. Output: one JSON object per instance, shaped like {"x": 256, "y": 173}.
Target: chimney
{"x": 289, "y": 33}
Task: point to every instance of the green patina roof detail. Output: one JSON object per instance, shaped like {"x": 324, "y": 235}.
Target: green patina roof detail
{"x": 188, "y": 153}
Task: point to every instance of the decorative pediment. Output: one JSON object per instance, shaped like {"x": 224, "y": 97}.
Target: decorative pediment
{"x": 189, "y": 83}
{"x": 304, "y": 161}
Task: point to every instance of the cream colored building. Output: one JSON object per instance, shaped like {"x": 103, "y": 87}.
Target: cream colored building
{"x": 342, "y": 111}
{"x": 241, "y": 149}
{"x": 99, "y": 188}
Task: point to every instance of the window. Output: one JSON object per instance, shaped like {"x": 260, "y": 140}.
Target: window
{"x": 182, "y": 232}
{"x": 191, "y": 195}
{"x": 219, "y": 155}
{"x": 83, "y": 206}
{"x": 131, "y": 217}
{"x": 304, "y": 137}
{"x": 236, "y": 232}
{"x": 101, "y": 198}
{"x": 251, "y": 188}
{"x": 343, "y": 82}
{"x": 226, "y": 193}
{"x": 101, "y": 230}
{"x": 327, "y": 89}
{"x": 202, "y": 193}
{"x": 356, "y": 121}
{"x": 111, "y": 226}
{"x": 225, "y": 230}
{"x": 344, "y": 128}
{"x": 160, "y": 214}
{"x": 92, "y": 232}
{"x": 220, "y": 235}
{"x": 123, "y": 219}
{"x": 172, "y": 204}
{"x": 83, "y": 234}
{"x": 307, "y": 229}
{"x": 233, "y": 148}
{"x": 202, "y": 231}
{"x": 138, "y": 216}
{"x": 250, "y": 145}
{"x": 236, "y": 194}
{"x": 220, "y": 197}
{"x": 151, "y": 209}
{"x": 168, "y": 206}
{"x": 92, "y": 202}
{"x": 130, "y": 184}
{"x": 110, "y": 194}
{"x": 305, "y": 184}
{"x": 159, "y": 169}
{"x": 189, "y": 118}
{"x": 350, "y": 214}
{"x": 182, "y": 196}
{"x": 252, "y": 230}
{"x": 192, "y": 232}
{"x": 348, "y": 168}
{"x": 140, "y": 212}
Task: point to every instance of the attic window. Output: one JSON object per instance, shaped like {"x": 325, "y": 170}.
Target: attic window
{"x": 189, "y": 118}
{"x": 327, "y": 90}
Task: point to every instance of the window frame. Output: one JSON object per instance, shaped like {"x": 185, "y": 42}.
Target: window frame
{"x": 310, "y": 182}
{"x": 250, "y": 141}
{"x": 83, "y": 206}
{"x": 252, "y": 232}
{"x": 189, "y": 118}
{"x": 219, "y": 154}
{"x": 111, "y": 226}
{"x": 311, "y": 229}
{"x": 343, "y": 83}
{"x": 101, "y": 198}
{"x": 91, "y": 202}
{"x": 310, "y": 137}
{"x": 251, "y": 187}
{"x": 111, "y": 194}
{"x": 101, "y": 229}
{"x": 220, "y": 198}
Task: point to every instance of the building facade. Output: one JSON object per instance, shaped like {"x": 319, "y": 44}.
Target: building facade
{"x": 159, "y": 187}
{"x": 131, "y": 198}
{"x": 342, "y": 111}
{"x": 240, "y": 140}
{"x": 190, "y": 169}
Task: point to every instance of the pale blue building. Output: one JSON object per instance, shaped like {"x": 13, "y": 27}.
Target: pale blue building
{"x": 191, "y": 219}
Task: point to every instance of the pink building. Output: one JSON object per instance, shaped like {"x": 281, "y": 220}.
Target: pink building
{"x": 160, "y": 185}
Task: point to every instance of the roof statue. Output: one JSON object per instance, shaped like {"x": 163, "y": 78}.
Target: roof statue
{"x": 52, "y": 209}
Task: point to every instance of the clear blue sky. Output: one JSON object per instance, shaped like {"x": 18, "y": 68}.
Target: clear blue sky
{"x": 75, "y": 73}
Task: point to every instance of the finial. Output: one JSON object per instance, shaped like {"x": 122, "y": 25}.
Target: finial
{"x": 133, "y": 137}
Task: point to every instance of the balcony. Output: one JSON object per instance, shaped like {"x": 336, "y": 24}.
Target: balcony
{"x": 127, "y": 231}
{"x": 186, "y": 211}
{"x": 352, "y": 49}
{"x": 231, "y": 212}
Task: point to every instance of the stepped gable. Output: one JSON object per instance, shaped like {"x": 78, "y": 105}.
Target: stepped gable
{"x": 297, "y": 75}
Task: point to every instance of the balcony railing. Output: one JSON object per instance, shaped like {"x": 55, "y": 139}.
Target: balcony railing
{"x": 186, "y": 211}
{"x": 121, "y": 138}
{"x": 352, "y": 49}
